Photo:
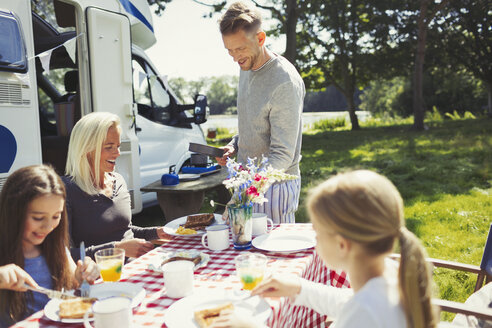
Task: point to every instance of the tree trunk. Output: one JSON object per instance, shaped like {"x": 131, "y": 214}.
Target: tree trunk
{"x": 351, "y": 109}
{"x": 418, "y": 75}
{"x": 489, "y": 91}
{"x": 290, "y": 31}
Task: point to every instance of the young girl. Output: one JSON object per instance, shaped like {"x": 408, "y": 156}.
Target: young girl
{"x": 34, "y": 241}
{"x": 357, "y": 217}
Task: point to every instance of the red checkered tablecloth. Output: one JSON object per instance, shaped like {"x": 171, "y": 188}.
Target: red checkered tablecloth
{"x": 219, "y": 273}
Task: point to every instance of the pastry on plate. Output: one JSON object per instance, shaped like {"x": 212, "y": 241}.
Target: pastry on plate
{"x": 199, "y": 221}
{"x": 75, "y": 308}
{"x": 195, "y": 259}
{"x": 206, "y": 317}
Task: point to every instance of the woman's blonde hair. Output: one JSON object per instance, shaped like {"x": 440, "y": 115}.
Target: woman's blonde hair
{"x": 366, "y": 207}
{"x": 85, "y": 146}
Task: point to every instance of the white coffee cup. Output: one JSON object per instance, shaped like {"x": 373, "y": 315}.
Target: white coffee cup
{"x": 260, "y": 225}
{"x": 111, "y": 312}
{"x": 178, "y": 278}
{"x": 218, "y": 237}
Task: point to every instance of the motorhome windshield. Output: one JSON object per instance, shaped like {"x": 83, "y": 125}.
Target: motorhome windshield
{"x": 12, "y": 49}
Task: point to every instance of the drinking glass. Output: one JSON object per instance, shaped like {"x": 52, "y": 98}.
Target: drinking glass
{"x": 110, "y": 262}
{"x": 250, "y": 268}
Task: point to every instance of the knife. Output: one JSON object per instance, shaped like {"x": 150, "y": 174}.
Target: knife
{"x": 50, "y": 292}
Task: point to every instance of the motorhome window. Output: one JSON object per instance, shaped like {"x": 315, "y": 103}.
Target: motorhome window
{"x": 46, "y": 10}
{"x": 12, "y": 49}
{"x": 141, "y": 92}
{"x": 160, "y": 97}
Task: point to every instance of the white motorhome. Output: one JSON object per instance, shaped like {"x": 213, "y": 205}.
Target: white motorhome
{"x": 62, "y": 59}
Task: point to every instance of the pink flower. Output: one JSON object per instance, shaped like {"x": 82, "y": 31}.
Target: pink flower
{"x": 252, "y": 191}
{"x": 257, "y": 177}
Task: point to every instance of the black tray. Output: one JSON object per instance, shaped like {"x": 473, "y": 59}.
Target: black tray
{"x": 206, "y": 150}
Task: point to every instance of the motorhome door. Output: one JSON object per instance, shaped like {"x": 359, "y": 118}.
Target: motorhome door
{"x": 109, "y": 43}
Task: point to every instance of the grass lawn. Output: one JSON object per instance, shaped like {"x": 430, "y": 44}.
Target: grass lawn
{"x": 444, "y": 175}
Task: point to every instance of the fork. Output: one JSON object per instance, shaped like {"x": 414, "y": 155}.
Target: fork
{"x": 84, "y": 287}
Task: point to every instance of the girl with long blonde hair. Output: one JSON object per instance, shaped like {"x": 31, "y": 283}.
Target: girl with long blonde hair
{"x": 357, "y": 217}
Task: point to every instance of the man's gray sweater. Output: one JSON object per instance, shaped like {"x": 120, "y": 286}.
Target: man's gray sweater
{"x": 269, "y": 106}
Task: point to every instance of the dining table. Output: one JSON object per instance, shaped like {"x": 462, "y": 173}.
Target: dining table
{"x": 219, "y": 274}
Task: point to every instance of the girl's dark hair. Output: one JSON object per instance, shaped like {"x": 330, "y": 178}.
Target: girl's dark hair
{"x": 22, "y": 187}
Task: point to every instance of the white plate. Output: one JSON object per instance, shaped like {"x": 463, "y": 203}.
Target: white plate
{"x": 122, "y": 289}
{"x": 285, "y": 241}
{"x": 51, "y": 312}
{"x": 156, "y": 264}
{"x": 181, "y": 313}
{"x": 170, "y": 227}
{"x": 99, "y": 291}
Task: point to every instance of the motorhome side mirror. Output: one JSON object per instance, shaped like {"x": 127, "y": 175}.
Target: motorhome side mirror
{"x": 200, "y": 113}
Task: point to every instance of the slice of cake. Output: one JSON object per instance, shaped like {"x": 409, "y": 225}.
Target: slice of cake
{"x": 206, "y": 317}
{"x": 75, "y": 308}
{"x": 199, "y": 221}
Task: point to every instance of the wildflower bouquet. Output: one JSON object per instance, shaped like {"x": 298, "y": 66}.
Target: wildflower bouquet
{"x": 249, "y": 183}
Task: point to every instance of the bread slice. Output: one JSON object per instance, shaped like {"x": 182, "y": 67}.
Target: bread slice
{"x": 199, "y": 221}
{"x": 206, "y": 317}
{"x": 75, "y": 308}
{"x": 195, "y": 259}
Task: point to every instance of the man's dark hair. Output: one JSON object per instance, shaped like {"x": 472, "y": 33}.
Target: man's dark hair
{"x": 240, "y": 16}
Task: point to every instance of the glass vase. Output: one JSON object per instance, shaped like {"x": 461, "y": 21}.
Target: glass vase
{"x": 241, "y": 225}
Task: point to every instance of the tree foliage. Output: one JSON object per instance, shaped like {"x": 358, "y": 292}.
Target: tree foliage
{"x": 340, "y": 44}
{"x": 421, "y": 46}
{"x": 446, "y": 90}
{"x": 466, "y": 37}
{"x": 221, "y": 91}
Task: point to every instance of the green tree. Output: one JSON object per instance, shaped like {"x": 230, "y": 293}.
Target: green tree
{"x": 187, "y": 90}
{"x": 425, "y": 15}
{"x": 467, "y": 39}
{"x": 180, "y": 86}
{"x": 341, "y": 43}
{"x": 222, "y": 93}
{"x": 285, "y": 13}
{"x": 380, "y": 96}
{"x": 445, "y": 89}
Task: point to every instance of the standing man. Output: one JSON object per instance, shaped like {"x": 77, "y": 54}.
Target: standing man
{"x": 269, "y": 105}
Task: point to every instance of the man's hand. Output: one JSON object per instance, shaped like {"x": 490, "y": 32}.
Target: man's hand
{"x": 134, "y": 247}
{"x": 229, "y": 151}
{"x": 14, "y": 277}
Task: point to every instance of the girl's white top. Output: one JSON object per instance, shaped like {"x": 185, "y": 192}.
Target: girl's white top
{"x": 376, "y": 304}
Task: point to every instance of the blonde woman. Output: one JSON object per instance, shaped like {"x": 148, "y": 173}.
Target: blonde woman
{"x": 357, "y": 218}
{"x": 98, "y": 201}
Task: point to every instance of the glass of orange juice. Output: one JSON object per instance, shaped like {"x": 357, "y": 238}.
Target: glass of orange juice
{"x": 110, "y": 262}
{"x": 250, "y": 268}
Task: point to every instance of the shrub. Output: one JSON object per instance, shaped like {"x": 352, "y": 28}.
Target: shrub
{"x": 329, "y": 124}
